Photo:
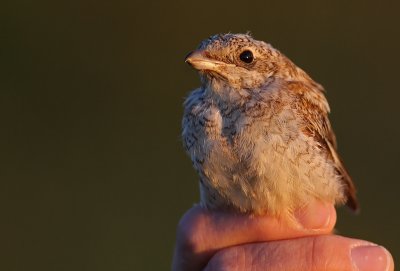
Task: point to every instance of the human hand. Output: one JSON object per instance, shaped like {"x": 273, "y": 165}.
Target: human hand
{"x": 221, "y": 241}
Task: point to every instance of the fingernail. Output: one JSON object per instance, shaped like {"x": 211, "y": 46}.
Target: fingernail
{"x": 315, "y": 216}
{"x": 367, "y": 258}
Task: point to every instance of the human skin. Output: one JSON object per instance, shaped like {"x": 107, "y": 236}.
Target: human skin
{"x": 210, "y": 240}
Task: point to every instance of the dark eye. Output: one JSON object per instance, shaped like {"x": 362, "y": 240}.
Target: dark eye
{"x": 246, "y": 56}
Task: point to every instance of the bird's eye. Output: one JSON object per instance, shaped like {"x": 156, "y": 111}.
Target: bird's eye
{"x": 246, "y": 56}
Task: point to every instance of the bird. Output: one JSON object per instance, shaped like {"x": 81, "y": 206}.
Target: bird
{"x": 257, "y": 131}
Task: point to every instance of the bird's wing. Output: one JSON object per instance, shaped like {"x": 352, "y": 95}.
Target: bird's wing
{"x": 315, "y": 109}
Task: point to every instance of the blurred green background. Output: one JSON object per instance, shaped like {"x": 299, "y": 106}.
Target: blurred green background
{"x": 93, "y": 175}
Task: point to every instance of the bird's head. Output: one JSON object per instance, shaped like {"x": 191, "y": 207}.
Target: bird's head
{"x": 237, "y": 61}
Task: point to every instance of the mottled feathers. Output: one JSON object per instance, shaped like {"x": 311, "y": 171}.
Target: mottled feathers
{"x": 257, "y": 131}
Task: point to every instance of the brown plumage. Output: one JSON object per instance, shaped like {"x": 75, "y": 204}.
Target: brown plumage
{"x": 320, "y": 129}
{"x": 258, "y": 132}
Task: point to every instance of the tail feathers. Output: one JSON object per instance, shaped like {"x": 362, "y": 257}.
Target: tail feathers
{"x": 350, "y": 189}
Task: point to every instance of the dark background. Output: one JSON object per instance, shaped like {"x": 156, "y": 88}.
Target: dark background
{"x": 92, "y": 172}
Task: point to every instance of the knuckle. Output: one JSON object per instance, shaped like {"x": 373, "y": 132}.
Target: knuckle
{"x": 311, "y": 257}
{"x": 316, "y": 259}
{"x": 190, "y": 233}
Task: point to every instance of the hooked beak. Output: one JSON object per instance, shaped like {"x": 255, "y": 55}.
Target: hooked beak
{"x": 198, "y": 60}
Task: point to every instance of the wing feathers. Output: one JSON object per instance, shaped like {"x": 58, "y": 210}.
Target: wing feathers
{"x": 314, "y": 108}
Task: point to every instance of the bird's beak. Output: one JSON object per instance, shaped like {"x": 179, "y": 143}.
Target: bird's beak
{"x": 200, "y": 61}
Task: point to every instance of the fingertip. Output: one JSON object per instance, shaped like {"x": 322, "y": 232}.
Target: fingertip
{"x": 317, "y": 216}
{"x": 371, "y": 257}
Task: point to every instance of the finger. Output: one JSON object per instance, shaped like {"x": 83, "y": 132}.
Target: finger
{"x": 327, "y": 253}
{"x": 201, "y": 232}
